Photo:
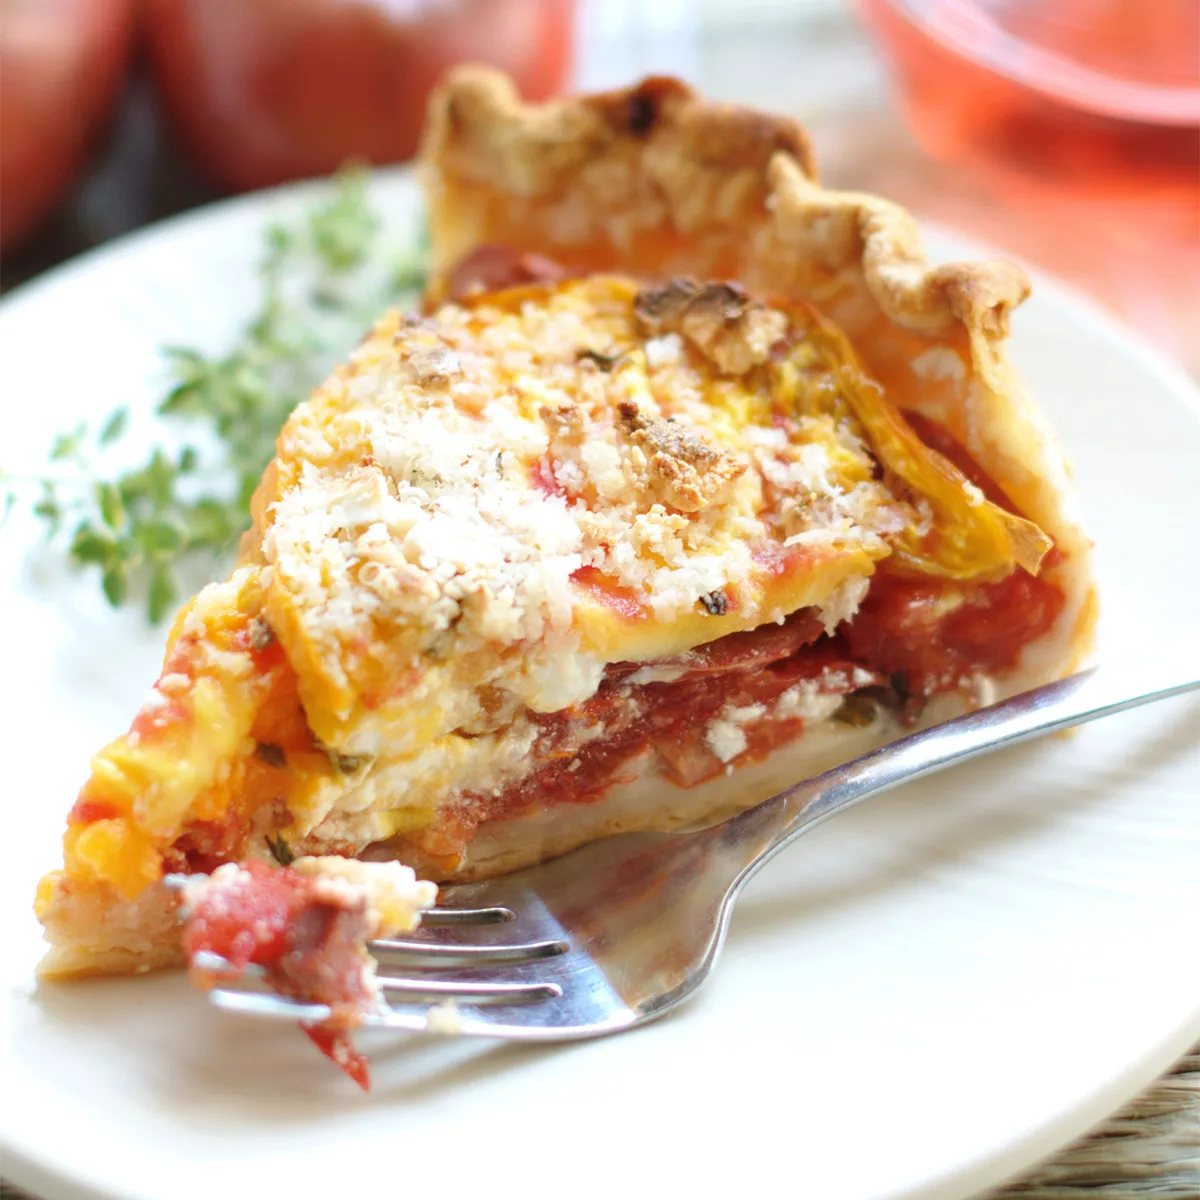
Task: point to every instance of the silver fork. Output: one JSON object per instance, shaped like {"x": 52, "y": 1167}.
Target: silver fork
{"x": 623, "y": 930}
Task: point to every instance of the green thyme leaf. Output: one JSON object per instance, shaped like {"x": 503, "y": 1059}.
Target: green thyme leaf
{"x": 112, "y": 509}
{"x": 92, "y": 545}
{"x": 209, "y": 523}
{"x": 160, "y": 538}
{"x": 115, "y": 582}
{"x": 409, "y": 276}
{"x": 280, "y": 850}
{"x": 114, "y": 427}
{"x": 47, "y": 508}
{"x": 161, "y": 592}
{"x": 344, "y": 229}
{"x": 67, "y": 445}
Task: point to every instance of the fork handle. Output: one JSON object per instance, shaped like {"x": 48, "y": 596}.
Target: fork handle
{"x": 1067, "y": 702}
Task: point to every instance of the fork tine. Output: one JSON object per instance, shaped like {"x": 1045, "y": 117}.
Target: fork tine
{"x": 474, "y": 993}
{"x": 440, "y": 1018}
{"x": 267, "y": 1004}
{"x": 447, "y": 955}
{"x": 443, "y": 1018}
{"x": 492, "y": 915}
{"x": 406, "y": 991}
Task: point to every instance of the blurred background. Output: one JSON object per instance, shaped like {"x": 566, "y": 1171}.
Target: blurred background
{"x": 1065, "y": 132}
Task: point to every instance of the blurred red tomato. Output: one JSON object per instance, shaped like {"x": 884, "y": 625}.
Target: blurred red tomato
{"x": 261, "y": 91}
{"x": 61, "y": 62}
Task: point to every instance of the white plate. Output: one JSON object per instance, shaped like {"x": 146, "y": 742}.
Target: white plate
{"x": 920, "y": 1000}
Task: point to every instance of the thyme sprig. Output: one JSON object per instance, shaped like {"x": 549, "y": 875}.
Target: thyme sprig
{"x": 323, "y": 279}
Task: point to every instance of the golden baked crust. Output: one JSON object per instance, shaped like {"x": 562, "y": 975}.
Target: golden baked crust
{"x": 656, "y": 180}
{"x": 712, "y": 189}
{"x": 93, "y": 931}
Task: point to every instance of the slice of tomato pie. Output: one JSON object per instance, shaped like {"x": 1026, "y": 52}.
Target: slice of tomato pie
{"x": 692, "y": 478}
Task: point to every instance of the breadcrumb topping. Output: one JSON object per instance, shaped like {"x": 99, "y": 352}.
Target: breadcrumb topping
{"x": 687, "y": 473}
{"x": 392, "y": 894}
{"x": 437, "y": 500}
{"x": 719, "y": 319}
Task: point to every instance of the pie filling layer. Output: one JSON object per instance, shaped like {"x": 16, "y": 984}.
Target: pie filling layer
{"x": 545, "y": 540}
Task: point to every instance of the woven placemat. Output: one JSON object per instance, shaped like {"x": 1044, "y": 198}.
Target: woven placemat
{"x": 1149, "y": 1149}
